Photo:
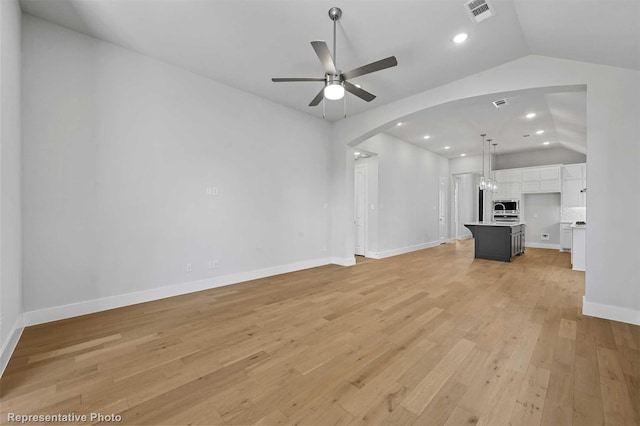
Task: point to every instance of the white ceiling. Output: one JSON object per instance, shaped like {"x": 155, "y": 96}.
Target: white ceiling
{"x": 560, "y": 113}
{"x": 245, "y": 43}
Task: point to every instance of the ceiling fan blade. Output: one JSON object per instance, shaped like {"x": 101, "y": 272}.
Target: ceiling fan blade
{"x": 318, "y": 98}
{"x": 389, "y": 62}
{"x": 282, "y": 80}
{"x": 322, "y": 50}
{"x": 362, "y": 94}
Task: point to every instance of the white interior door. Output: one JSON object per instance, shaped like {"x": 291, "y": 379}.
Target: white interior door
{"x": 456, "y": 208}
{"x": 442, "y": 211}
{"x": 360, "y": 208}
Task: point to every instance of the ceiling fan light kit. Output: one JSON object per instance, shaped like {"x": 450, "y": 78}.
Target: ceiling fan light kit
{"x": 335, "y": 81}
{"x": 334, "y": 91}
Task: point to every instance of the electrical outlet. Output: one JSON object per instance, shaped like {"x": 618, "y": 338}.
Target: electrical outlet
{"x": 544, "y": 236}
{"x": 188, "y": 268}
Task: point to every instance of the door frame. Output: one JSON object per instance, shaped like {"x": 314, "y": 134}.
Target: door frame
{"x": 443, "y": 211}
{"x": 365, "y": 216}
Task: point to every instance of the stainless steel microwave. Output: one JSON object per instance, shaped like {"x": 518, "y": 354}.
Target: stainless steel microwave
{"x": 506, "y": 207}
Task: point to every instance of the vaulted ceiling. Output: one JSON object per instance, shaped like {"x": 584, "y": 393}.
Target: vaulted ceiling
{"x": 245, "y": 43}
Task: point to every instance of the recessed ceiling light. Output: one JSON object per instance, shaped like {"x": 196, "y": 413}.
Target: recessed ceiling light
{"x": 357, "y": 85}
{"x": 427, "y": 136}
{"x": 356, "y": 153}
{"x": 546, "y": 143}
{"x": 447, "y": 147}
{"x": 539, "y": 132}
{"x": 463, "y": 155}
{"x": 531, "y": 115}
{"x": 460, "y": 38}
{"x": 399, "y": 124}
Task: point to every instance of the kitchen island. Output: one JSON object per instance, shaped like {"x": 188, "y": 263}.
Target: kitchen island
{"x": 497, "y": 241}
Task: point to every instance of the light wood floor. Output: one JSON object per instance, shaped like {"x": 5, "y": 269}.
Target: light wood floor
{"x": 427, "y": 338}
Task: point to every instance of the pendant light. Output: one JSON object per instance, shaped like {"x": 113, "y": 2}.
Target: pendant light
{"x": 489, "y": 180}
{"x": 494, "y": 184}
{"x": 483, "y": 180}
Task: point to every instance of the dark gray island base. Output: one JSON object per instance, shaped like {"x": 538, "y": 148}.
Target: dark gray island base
{"x": 497, "y": 241}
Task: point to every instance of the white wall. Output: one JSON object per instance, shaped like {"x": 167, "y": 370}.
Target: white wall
{"x": 540, "y": 157}
{"x": 119, "y": 149}
{"x": 467, "y": 203}
{"x": 408, "y": 184}
{"x": 10, "y": 210}
{"x": 469, "y": 164}
{"x": 541, "y": 212}
{"x": 613, "y": 150}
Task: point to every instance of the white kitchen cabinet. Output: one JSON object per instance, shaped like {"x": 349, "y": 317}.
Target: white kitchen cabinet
{"x": 571, "y": 195}
{"x": 513, "y": 191}
{"x": 565, "y": 236}
{"x": 541, "y": 179}
{"x": 530, "y": 175}
{"x": 574, "y": 180}
{"x": 574, "y": 171}
{"x": 509, "y": 186}
{"x": 578, "y": 248}
{"x": 549, "y": 173}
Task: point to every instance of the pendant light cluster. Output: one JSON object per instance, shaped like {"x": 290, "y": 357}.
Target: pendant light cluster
{"x": 487, "y": 183}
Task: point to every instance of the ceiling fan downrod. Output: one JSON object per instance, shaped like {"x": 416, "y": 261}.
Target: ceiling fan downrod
{"x": 335, "y": 13}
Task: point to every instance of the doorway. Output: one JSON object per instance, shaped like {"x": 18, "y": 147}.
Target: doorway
{"x": 442, "y": 210}
{"x": 360, "y": 209}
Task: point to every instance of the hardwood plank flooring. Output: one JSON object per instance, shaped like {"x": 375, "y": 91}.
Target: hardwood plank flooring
{"x": 432, "y": 337}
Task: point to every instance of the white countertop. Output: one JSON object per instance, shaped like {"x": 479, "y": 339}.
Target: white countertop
{"x": 494, "y": 223}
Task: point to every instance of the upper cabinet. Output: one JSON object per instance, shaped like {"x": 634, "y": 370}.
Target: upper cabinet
{"x": 574, "y": 185}
{"x": 509, "y": 184}
{"x": 541, "y": 179}
{"x": 569, "y": 180}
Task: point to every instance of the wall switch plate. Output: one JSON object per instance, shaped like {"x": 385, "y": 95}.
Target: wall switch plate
{"x": 544, "y": 236}
{"x": 188, "y": 268}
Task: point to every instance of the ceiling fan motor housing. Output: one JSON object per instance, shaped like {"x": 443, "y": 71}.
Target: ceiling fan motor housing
{"x": 334, "y": 79}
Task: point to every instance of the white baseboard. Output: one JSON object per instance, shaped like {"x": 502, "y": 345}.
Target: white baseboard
{"x": 610, "y": 312}
{"x": 464, "y": 237}
{"x": 403, "y": 250}
{"x": 55, "y": 313}
{"x": 10, "y": 345}
{"x": 343, "y": 261}
{"x": 543, "y": 245}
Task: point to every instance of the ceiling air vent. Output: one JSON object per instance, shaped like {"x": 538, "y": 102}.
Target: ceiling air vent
{"x": 479, "y": 10}
{"x": 499, "y": 103}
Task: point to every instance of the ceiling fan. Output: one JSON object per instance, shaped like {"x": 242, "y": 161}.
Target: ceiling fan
{"x": 335, "y": 81}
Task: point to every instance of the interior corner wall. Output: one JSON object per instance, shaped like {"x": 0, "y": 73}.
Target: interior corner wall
{"x": 10, "y": 152}
{"x": 539, "y": 157}
{"x": 136, "y": 170}
{"x": 408, "y": 194}
{"x": 467, "y": 203}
